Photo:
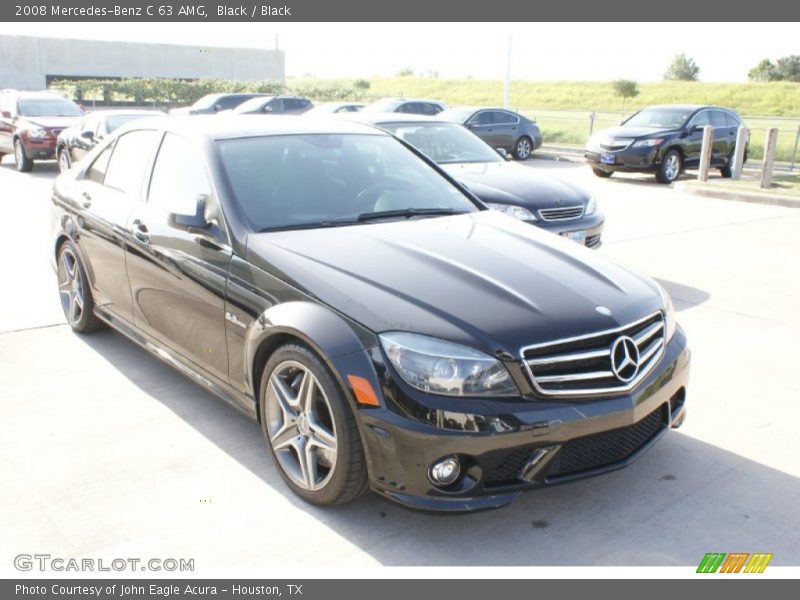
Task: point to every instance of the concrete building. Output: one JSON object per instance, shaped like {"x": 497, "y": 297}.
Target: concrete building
{"x": 30, "y": 63}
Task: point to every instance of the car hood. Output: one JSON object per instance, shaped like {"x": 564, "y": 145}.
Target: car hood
{"x": 510, "y": 183}
{"x": 482, "y": 279}
{"x": 632, "y": 132}
{"x": 51, "y": 122}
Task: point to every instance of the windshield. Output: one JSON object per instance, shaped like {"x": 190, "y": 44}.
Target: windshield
{"x": 663, "y": 118}
{"x": 119, "y": 120}
{"x": 48, "y": 107}
{"x": 457, "y": 115}
{"x": 444, "y": 142}
{"x": 305, "y": 181}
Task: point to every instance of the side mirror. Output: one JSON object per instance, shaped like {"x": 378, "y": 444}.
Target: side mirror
{"x": 6, "y": 114}
{"x": 88, "y": 135}
{"x": 267, "y": 109}
{"x": 502, "y": 152}
{"x": 188, "y": 218}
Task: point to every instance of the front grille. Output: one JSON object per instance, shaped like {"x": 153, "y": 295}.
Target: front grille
{"x": 606, "y": 448}
{"x": 565, "y": 213}
{"x": 593, "y": 240}
{"x": 612, "y": 144}
{"x": 584, "y": 365}
{"x": 510, "y": 469}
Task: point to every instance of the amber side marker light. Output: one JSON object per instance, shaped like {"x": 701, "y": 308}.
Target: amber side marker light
{"x": 363, "y": 389}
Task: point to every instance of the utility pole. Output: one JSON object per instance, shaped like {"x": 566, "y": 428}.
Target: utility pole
{"x": 507, "y": 86}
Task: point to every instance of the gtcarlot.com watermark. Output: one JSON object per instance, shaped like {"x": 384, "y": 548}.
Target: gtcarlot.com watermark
{"x": 47, "y": 562}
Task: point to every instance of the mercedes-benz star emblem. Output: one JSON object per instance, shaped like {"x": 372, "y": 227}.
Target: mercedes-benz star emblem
{"x": 625, "y": 358}
{"x": 603, "y": 310}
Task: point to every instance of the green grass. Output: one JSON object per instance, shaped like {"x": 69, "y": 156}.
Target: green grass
{"x": 562, "y": 108}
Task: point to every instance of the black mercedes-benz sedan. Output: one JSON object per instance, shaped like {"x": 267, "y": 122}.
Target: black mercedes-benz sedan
{"x": 664, "y": 140}
{"x": 557, "y": 205}
{"x": 385, "y": 329}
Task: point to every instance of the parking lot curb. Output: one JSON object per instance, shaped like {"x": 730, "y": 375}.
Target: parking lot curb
{"x": 738, "y": 196}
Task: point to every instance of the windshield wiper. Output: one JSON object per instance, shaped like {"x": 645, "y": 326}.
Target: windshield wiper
{"x": 407, "y": 213}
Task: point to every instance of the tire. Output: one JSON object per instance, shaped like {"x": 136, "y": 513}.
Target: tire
{"x": 75, "y": 292}
{"x": 670, "y": 168}
{"x": 727, "y": 170}
{"x": 24, "y": 164}
{"x": 291, "y": 423}
{"x": 523, "y": 148}
{"x": 601, "y": 173}
{"x": 63, "y": 160}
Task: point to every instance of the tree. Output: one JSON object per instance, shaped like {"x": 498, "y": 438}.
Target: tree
{"x": 682, "y": 68}
{"x": 405, "y": 73}
{"x": 625, "y": 88}
{"x": 763, "y": 71}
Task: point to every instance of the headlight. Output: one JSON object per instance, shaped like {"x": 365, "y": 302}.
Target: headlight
{"x": 37, "y": 133}
{"x": 669, "y": 314}
{"x": 591, "y": 206}
{"x": 648, "y": 143}
{"x": 441, "y": 367}
{"x": 518, "y": 212}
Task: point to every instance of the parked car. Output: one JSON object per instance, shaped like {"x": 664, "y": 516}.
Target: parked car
{"x": 331, "y": 108}
{"x": 413, "y": 106}
{"x": 500, "y": 128}
{"x": 556, "y": 205}
{"x": 386, "y": 330}
{"x": 75, "y": 142}
{"x": 30, "y": 123}
{"x": 274, "y": 105}
{"x": 664, "y": 140}
{"x": 213, "y": 103}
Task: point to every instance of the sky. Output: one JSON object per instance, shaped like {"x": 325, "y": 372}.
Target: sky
{"x": 540, "y": 51}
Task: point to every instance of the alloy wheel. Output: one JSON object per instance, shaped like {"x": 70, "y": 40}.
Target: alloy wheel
{"x": 18, "y": 153}
{"x": 523, "y": 149}
{"x": 70, "y": 286}
{"x": 63, "y": 161}
{"x": 300, "y": 425}
{"x": 673, "y": 166}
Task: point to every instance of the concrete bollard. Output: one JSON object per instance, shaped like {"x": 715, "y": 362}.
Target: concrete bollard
{"x": 742, "y": 135}
{"x": 769, "y": 157}
{"x": 705, "y": 152}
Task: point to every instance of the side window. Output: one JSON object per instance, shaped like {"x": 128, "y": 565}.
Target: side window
{"x": 700, "y": 119}
{"x": 276, "y": 105}
{"x": 227, "y": 102}
{"x": 486, "y": 118}
{"x": 129, "y": 161}
{"x": 718, "y": 119}
{"x": 505, "y": 118}
{"x": 731, "y": 120}
{"x": 97, "y": 171}
{"x": 178, "y": 177}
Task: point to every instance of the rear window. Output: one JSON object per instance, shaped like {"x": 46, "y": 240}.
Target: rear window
{"x": 48, "y": 107}
{"x": 302, "y": 181}
{"x": 718, "y": 119}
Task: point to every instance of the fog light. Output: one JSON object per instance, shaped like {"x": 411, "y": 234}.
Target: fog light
{"x": 446, "y": 471}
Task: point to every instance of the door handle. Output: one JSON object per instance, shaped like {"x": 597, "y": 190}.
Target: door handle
{"x": 87, "y": 200}
{"x": 140, "y": 232}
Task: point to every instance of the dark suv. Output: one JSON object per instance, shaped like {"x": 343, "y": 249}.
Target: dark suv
{"x": 30, "y": 123}
{"x": 499, "y": 128}
{"x": 275, "y": 105}
{"x": 664, "y": 140}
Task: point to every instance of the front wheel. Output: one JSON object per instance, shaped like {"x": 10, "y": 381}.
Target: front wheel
{"x": 523, "y": 148}
{"x": 310, "y": 428}
{"x": 601, "y": 173}
{"x": 727, "y": 170}
{"x": 670, "y": 167}
{"x": 63, "y": 160}
{"x": 75, "y": 292}
{"x": 24, "y": 164}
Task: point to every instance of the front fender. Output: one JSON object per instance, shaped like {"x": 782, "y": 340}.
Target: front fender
{"x": 343, "y": 345}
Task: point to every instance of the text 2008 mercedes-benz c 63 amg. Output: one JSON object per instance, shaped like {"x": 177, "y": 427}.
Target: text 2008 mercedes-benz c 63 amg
{"x": 387, "y": 331}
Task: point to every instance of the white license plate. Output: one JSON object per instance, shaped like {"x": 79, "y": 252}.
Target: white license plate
{"x": 607, "y": 159}
{"x": 576, "y": 236}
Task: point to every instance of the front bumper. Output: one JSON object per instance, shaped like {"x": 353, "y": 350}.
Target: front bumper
{"x": 630, "y": 159}
{"x": 41, "y": 149}
{"x": 507, "y": 447}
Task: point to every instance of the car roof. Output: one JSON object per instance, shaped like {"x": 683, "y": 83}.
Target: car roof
{"x": 118, "y": 112}
{"x": 687, "y": 107}
{"x": 231, "y": 126}
{"x": 385, "y": 118}
{"x": 40, "y": 95}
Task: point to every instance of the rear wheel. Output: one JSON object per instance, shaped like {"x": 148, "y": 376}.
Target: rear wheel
{"x": 310, "y": 428}
{"x": 601, "y": 173}
{"x": 523, "y": 148}
{"x": 74, "y": 290}
{"x": 670, "y": 167}
{"x": 24, "y": 164}
{"x": 63, "y": 160}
